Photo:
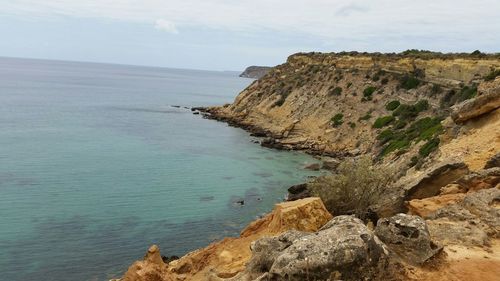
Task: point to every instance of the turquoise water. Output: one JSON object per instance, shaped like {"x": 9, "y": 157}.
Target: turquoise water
{"x": 95, "y": 166}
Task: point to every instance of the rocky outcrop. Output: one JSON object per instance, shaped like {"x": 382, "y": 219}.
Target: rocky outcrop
{"x": 295, "y": 102}
{"x": 430, "y": 182}
{"x": 255, "y": 72}
{"x": 408, "y": 237}
{"x": 343, "y": 249}
{"x": 297, "y": 192}
{"x": 226, "y": 258}
{"x": 493, "y": 162}
{"x": 476, "y": 107}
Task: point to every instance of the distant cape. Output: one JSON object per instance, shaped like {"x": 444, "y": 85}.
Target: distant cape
{"x": 255, "y": 72}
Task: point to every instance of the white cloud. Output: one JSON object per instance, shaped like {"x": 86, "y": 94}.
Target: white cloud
{"x": 329, "y": 20}
{"x": 165, "y": 25}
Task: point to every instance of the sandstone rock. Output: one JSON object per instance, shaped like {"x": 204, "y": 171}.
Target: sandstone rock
{"x": 429, "y": 184}
{"x": 150, "y": 268}
{"x": 427, "y": 206}
{"x": 489, "y": 87}
{"x": 475, "y": 107}
{"x": 482, "y": 179}
{"x": 344, "y": 248}
{"x": 408, "y": 237}
{"x": 469, "y": 222}
{"x": 493, "y": 162}
{"x": 307, "y": 214}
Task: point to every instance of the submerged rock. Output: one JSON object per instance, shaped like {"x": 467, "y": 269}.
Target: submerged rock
{"x": 408, "y": 237}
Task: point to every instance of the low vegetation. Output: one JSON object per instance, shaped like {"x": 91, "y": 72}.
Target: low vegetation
{"x": 337, "y": 91}
{"x": 425, "y": 129}
{"x": 337, "y": 119}
{"x": 492, "y": 75}
{"x": 409, "y": 82}
{"x": 355, "y": 189}
{"x": 368, "y": 93}
{"x": 392, "y": 105}
{"x": 383, "y": 121}
{"x": 407, "y": 112}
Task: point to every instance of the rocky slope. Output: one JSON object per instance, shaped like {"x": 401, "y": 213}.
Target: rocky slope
{"x": 436, "y": 119}
{"x": 329, "y": 103}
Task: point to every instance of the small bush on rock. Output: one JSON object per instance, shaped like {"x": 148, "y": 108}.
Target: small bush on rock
{"x": 337, "y": 120}
{"x": 392, "y": 105}
{"x": 383, "y": 121}
{"x": 356, "y": 188}
{"x": 409, "y": 82}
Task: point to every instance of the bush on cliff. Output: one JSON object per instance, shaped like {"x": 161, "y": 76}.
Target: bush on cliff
{"x": 409, "y": 82}
{"x": 368, "y": 92}
{"x": 383, "y": 121}
{"x": 492, "y": 75}
{"x": 337, "y": 120}
{"x": 355, "y": 189}
{"x": 392, "y": 105}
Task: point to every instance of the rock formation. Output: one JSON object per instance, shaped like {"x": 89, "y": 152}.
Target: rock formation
{"x": 255, "y": 72}
{"x": 434, "y": 118}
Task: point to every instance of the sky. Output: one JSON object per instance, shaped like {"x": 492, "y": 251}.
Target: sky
{"x": 233, "y": 34}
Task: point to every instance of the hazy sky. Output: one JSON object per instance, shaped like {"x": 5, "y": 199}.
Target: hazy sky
{"x": 232, "y": 34}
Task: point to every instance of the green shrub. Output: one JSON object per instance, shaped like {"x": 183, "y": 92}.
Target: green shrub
{"x": 337, "y": 119}
{"x": 367, "y": 116}
{"x": 436, "y": 89}
{"x": 337, "y": 91}
{"x": 400, "y": 124}
{"x": 467, "y": 93}
{"x": 383, "y": 121}
{"x": 355, "y": 189}
{"x": 392, "y": 105}
{"x": 368, "y": 92}
{"x": 413, "y": 161}
{"x": 409, "y": 112}
{"x": 409, "y": 82}
{"x": 394, "y": 145}
{"x": 492, "y": 75}
{"x": 424, "y": 129}
{"x": 352, "y": 125}
{"x": 428, "y": 147}
{"x": 385, "y": 136}
{"x": 422, "y": 105}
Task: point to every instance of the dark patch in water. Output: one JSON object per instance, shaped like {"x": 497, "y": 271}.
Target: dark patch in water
{"x": 206, "y": 198}
{"x": 227, "y": 178}
{"x": 263, "y": 174}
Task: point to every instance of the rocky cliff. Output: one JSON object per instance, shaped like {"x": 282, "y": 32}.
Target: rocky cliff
{"x": 333, "y": 104}
{"x": 434, "y": 118}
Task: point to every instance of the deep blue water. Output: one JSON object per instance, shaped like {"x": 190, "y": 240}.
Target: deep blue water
{"x": 95, "y": 166}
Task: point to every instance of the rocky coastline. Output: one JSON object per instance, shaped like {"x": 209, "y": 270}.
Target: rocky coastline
{"x": 439, "y": 219}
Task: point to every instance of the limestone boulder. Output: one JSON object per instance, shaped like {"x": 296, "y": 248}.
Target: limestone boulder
{"x": 408, "y": 237}
{"x": 343, "y": 249}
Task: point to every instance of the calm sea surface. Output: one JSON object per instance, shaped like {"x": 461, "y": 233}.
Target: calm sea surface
{"x": 96, "y": 165}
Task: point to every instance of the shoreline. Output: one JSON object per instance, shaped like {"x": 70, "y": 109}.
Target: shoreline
{"x": 267, "y": 138}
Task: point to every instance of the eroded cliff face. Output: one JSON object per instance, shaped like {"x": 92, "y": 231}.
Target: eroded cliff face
{"x": 328, "y": 103}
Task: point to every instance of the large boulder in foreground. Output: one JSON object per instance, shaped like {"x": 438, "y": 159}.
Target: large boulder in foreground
{"x": 343, "y": 249}
{"x": 408, "y": 237}
{"x": 226, "y": 258}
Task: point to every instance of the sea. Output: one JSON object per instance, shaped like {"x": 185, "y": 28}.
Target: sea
{"x": 100, "y": 161}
